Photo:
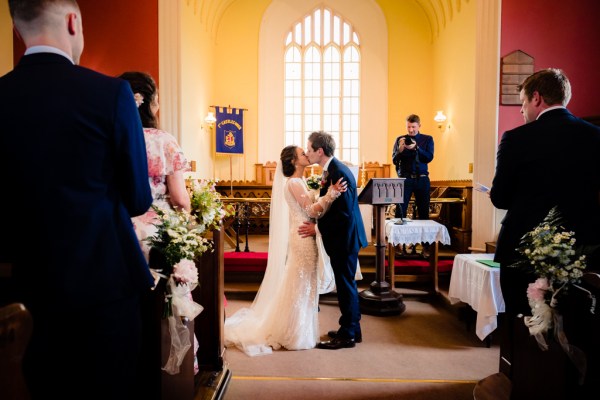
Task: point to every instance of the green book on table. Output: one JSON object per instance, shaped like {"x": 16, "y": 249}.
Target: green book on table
{"x": 490, "y": 263}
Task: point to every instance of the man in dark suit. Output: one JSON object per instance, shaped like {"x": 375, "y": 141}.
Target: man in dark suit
{"x": 343, "y": 234}
{"x": 75, "y": 171}
{"x": 552, "y": 160}
{"x": 411, "y": 155}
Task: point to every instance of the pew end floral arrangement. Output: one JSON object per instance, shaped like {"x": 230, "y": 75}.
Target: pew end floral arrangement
{"x": 550, "y": 251}
{"x": 180, "y": 239}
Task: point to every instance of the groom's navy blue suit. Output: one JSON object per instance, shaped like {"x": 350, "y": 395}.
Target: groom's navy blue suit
{"x": 73, "y": 159}
{"x": 343, "y": 235}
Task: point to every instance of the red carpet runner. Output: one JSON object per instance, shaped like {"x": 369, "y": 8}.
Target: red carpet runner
{"x": 257, "y": 262}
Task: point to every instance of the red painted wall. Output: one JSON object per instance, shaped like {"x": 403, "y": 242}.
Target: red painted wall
{"x": 120, "y": 35}
{"x": 556, "y": 34}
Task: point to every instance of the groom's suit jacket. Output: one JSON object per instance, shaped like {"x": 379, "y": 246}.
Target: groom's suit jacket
{"x": 73, "y": 159}
{"x": 553, "y": 161}
{"x": 341, "y": 226}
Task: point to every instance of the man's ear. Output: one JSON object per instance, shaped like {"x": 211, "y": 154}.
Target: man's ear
{"x": 72, "y": 23}
{"x": 536, "y": 99}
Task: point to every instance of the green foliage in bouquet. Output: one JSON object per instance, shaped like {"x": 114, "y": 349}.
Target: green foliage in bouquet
{"x": 551, "y": 251}
{"x": 178, "y": 237}
{"x": 314, "y": 182}
{"x": 207, "y": 206}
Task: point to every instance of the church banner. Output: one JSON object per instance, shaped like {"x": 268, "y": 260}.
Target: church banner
{"x": 229, "y": 130}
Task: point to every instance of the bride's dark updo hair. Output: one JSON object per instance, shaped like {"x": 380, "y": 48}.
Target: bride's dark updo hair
{"x": 287, "y": 157}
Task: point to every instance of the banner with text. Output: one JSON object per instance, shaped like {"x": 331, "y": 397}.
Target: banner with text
{"x": 230, "y": 135}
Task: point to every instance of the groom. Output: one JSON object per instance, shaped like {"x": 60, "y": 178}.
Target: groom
{"x": 343, "y": 235}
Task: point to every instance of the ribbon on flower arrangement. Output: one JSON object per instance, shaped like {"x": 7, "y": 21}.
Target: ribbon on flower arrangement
{"x": 544, "y": 316}
{"x": 182, "y": 307}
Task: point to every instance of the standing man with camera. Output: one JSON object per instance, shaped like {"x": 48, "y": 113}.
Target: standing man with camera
{"x": 411, "y": 154}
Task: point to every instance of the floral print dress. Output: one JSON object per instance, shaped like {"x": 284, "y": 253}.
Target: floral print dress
{"x": 165, "y": 157}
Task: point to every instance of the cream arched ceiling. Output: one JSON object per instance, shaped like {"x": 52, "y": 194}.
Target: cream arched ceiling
{"x": 438, "y": 12}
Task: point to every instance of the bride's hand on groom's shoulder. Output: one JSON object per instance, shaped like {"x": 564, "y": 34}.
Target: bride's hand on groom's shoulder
{"x": 307, "y": 229}
{"x": 340, "y": 185}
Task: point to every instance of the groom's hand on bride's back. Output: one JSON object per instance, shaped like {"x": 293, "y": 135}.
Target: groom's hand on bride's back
{"x": 307, "y": 229}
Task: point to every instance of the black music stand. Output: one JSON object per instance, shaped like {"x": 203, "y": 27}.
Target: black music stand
{"x": 379, "y": 299}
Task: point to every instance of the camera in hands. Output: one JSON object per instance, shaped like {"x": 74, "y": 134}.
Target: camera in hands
{"x": 408, "y": 140}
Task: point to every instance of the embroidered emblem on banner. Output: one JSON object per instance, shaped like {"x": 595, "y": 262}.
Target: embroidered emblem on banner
{"x": 229, "y": 130}
{"x": 229, "y": 139}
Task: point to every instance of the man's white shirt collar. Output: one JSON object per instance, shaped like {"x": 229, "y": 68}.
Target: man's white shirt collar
{"x": 549, "y": 109}
{"x": 327, "y": 164}
{"x": 47, "y": 49}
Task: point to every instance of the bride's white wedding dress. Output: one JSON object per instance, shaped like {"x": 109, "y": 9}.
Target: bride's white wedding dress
{"x": 284, "y": 313}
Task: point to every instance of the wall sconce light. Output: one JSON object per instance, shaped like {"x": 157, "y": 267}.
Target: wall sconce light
{"x": 440, "y": 118}
{"x": 210, "y": 119}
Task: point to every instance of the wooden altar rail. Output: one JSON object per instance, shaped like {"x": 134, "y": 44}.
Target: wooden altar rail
{"x": 250, "y": 214}
{"x": 455, "y": 211}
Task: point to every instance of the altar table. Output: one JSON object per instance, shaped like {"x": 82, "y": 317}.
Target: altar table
{"x": 415, "y": 232}
{"x": 479, "y": 286}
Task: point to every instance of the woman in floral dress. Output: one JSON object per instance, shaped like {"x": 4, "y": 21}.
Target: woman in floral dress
{"x": 166, "y": 161}
{"x": 166, "y": 165}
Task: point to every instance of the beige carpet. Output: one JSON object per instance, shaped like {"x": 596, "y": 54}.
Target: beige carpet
{"x": 424, "y": 353}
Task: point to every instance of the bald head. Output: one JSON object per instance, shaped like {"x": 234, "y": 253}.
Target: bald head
{"x": 54, "y": 23}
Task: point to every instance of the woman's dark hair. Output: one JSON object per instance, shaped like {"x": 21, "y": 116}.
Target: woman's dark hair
{"x": 143, "y": 84}
{"x": 288, "y": 156}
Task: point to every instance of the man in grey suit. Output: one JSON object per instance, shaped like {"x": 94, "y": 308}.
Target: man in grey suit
{"x": 74, "y": 162}
{"x": 552, "y": 160}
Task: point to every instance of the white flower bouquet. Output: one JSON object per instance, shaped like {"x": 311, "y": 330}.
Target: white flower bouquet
{"x": 178, "y": 237}
{"x": 558, "y": 264}
{"x": 178, "y": 241}
{"x": 551, "y": 251}
{"x": 314, "y": 182}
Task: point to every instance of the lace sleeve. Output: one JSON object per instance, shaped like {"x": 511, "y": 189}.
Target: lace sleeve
{"x": 313, "y": 209}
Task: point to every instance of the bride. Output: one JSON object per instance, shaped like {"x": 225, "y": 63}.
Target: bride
{"x": 284, "y": 311}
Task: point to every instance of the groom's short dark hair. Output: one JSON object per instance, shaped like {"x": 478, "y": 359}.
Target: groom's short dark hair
{"x": 323, "y": 140}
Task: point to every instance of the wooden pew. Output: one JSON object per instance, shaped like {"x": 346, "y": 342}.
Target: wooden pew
{"x": 213, "y": 377}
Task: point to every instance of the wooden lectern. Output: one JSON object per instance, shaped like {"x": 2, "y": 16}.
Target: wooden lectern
{"x": 379, "y": 299}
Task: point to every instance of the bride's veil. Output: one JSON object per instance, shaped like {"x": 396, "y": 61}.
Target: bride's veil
{"x": 249, "y": 327}
{"x": 279, "y": 224}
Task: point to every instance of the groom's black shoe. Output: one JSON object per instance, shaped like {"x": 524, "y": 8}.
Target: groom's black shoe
{"x": 337, "y": 343}
{"x": 334, "y": 335}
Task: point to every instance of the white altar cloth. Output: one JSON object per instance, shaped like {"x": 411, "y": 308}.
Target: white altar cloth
{"x": 479, "y": 286}
{"x": 416, "y": 231}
